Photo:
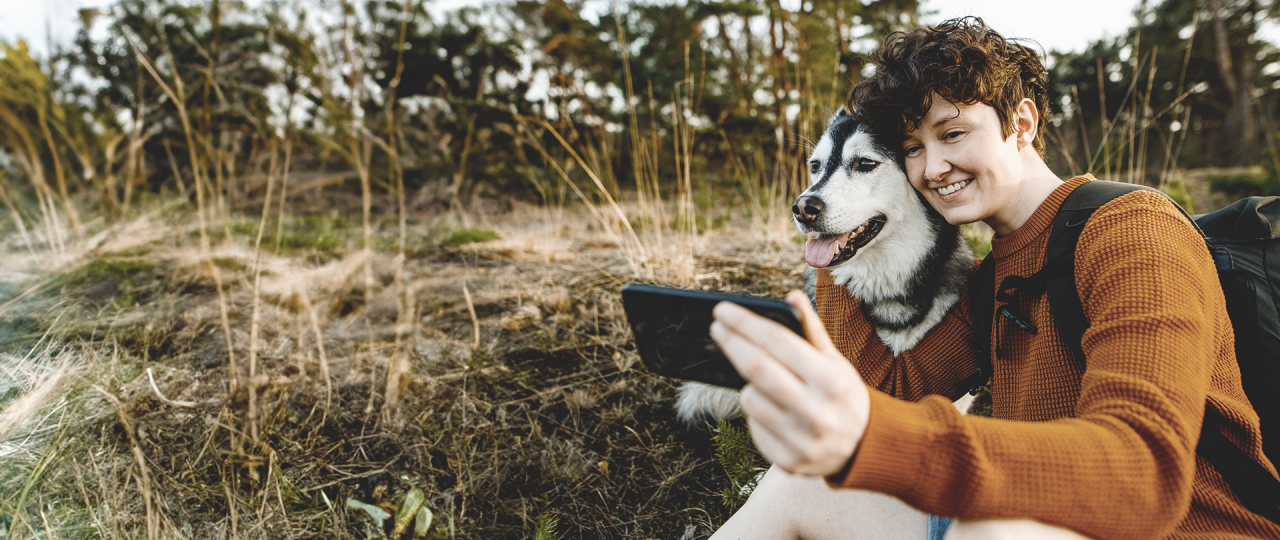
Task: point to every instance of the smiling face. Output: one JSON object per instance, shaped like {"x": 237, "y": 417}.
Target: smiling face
{"x": 966, "y": 168}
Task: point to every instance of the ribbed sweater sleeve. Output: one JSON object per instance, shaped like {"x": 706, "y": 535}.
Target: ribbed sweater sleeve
{"x": 1110, "y": 452}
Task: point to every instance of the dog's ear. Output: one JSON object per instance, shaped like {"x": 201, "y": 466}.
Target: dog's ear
{"x": 842, "y": 113}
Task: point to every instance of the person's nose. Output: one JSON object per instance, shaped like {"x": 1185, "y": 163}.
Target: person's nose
{"x": 936, "y": 166}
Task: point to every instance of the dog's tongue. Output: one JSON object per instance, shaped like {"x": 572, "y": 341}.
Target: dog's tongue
{"x": 819, "y": 251}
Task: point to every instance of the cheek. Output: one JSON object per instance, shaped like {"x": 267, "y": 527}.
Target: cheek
{"x": 915, "y": 173}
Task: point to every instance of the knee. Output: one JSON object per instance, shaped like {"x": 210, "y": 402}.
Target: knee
{"x": 1010, "y": 529}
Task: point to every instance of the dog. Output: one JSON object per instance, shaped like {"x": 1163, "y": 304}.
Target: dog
{"x": 880, "y": 239}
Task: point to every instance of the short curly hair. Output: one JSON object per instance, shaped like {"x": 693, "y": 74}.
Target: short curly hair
{"x": 960, "y": 60}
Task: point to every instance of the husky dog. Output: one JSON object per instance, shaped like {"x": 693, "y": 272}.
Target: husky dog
{"x": 880, "y": 239}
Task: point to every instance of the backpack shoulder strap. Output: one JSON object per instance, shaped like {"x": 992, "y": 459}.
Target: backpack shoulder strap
{"x": 981, "y": 305}
{"x": 1057, "y": 278}
{"x": 1060, "y": 257}
{"x": 1257, "y": 489}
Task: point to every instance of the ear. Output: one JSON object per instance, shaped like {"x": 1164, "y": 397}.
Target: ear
{"x": 843, "y": 112}
{"x": 1026, "y": 121}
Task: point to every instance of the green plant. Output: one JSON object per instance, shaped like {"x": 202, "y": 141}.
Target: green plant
{"x": 1245, "y": 182}
{"x": 1176, "y": 189}
{"x": 978, "y": 237}
{"x": 744, "y": 465}
{"x": 548, "y": 522}
{"x": 1270, "y": 183}
{"x": 463, "y": 237}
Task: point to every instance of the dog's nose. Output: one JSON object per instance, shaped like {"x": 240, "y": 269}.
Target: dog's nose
{"x": 807, "y": 209}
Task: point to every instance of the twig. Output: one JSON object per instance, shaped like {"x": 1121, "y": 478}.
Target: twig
{"x": 156, "y": 389}
{"x": 324, "y": 360}
{"x": 144, "y": 478}
{"x": 471, "y": 308}
{"x": 231, "y": 504}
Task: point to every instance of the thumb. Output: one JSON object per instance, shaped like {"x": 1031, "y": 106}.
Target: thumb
{"x": 813, "y": 329}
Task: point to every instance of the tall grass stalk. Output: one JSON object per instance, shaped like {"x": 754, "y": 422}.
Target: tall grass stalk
{"x": 24, "y": 84}
{"x": 17, "y": 217}
{"x": 1124, "y": 149}
{"x": 360, "y": 150}
{"x": 255, "y": 325}
{"x": 657, "y": 248}
{"x": 177, "y": 95}
{"x": 398, "y": 365}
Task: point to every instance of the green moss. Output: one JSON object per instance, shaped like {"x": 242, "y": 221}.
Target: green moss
{"x": 20, "y": 334}
{"x": 229, "y": 263}
{"x": 710, "y": 222}
{"x": 1246, "y": 183}
{"x": 111, "y": 268}
{"x": 323, "y": 236}
{"x": 462, "y": 237}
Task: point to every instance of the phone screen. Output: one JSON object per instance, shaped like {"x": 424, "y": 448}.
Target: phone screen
{"x": 672, "y": 330}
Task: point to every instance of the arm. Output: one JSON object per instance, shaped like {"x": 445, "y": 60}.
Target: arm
{"x": 1123, "y": 467}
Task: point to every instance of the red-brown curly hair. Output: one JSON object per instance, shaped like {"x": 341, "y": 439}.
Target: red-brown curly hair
{"x": 960, "y": 60}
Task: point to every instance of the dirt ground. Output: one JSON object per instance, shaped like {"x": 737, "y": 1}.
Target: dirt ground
{"x": 520, "y": 407}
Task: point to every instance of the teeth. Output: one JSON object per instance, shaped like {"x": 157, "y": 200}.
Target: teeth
{"x": 947, "y": 190}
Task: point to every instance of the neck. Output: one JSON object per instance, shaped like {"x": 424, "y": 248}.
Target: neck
{"x": 1038, "y": 182}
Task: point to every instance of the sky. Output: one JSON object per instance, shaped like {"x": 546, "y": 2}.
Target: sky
{"x": 1068, "y": 29}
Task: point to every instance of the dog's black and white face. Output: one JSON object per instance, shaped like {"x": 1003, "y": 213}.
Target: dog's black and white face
{"x": 859, "y": 202}
{"x": 855, "y": 181}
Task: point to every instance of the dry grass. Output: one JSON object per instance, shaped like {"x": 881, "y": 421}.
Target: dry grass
{"x": 522, "y": 404}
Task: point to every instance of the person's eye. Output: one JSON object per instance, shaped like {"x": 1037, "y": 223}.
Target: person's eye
{"x": 913, "y": 150}
{"x": 814, "y": 166}
{"x": 865, "y": 165}
{"x": 953, "y": 135}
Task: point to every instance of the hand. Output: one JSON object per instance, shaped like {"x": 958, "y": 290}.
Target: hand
{"x": 806, "y": 405}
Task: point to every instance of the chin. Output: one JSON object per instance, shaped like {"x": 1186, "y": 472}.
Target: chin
{"x": 958, "y": 215}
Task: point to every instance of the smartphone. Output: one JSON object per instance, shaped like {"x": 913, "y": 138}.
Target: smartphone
{"x": 672, "y": 328}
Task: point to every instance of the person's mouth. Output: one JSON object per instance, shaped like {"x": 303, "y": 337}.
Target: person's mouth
{"x": 952, "y": 188}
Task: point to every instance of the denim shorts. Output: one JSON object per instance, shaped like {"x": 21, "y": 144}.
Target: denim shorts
{"x": 938, "y": 527}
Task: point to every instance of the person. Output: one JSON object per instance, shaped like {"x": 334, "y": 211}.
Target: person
{"x": 861, "y": 442}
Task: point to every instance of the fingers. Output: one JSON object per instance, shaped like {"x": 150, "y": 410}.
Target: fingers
{"x": 806, "y": 405}
{"x": 788, "y": 439}
{"x": 793, "y": 351}
{"x": 813, "y": 329}
{"x": 758, "y": 365}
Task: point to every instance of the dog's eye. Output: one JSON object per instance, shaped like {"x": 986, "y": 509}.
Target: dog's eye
{"x": 865, "y": 165}
{"x": 814, "y": 166}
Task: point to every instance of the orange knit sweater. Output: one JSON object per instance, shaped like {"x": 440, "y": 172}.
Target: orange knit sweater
{"x": 1109, "y": 450}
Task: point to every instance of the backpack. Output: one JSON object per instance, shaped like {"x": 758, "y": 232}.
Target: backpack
{"x": 1244, "y": 240}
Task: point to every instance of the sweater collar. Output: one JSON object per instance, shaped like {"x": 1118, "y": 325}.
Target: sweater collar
{"x": 1041, "y": 220}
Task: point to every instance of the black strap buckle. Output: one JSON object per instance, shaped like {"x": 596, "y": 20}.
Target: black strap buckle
{"x": 974, "y": 382}
{"x": 1022, "y": 323}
